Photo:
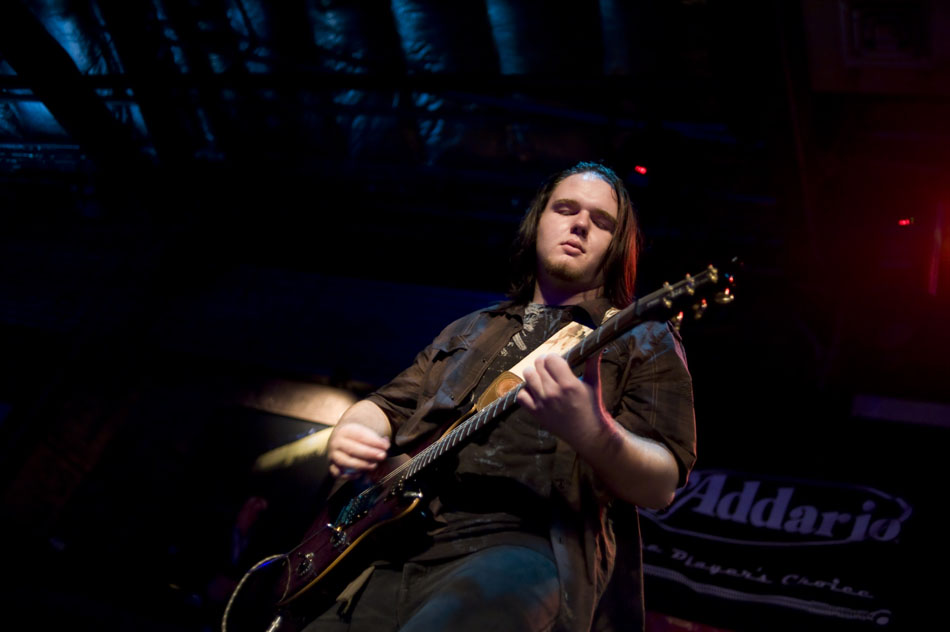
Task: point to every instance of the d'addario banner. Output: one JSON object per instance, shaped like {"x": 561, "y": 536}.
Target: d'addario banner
{"x": 740, "y": 550}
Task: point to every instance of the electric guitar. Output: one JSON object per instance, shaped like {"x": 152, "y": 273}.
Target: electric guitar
{"x": 277, "y": 593}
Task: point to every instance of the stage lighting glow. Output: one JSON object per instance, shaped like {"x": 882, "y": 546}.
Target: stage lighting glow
{"x": 641, "y": 170}
{"x": 907, "y": 221}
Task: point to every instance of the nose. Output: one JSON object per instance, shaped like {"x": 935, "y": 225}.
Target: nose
{"x": 581, "y": 224}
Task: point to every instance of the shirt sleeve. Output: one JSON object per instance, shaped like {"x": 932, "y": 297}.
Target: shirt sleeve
{"x": 400, "y": 397}
{"x": 657, "y": 398}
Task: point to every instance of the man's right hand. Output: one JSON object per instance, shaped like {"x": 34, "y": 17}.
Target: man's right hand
{"x": 354, "y": 450}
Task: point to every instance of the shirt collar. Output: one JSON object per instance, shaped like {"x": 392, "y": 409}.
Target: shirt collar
{"x": 590, "y": 313}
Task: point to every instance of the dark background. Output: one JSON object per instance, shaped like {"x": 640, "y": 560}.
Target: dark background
{"x": 201, "y": 199}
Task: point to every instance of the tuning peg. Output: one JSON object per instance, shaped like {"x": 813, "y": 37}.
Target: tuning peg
{"x": 667, "y": 301}
{"x": 699, "y": 308}
{"x": 677, "y": 321}
{"x": 725, "y": 297}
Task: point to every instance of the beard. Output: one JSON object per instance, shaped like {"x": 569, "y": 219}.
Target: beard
{"x": 566, "y": 278}
{"x": 568, "y": 273}
{"x": 563, "y": 271}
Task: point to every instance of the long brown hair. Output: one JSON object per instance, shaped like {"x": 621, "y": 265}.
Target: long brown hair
{"x": 620, "y": 262}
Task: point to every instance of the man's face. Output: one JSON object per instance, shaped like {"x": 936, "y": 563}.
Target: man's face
{"x": 574, "y": 232}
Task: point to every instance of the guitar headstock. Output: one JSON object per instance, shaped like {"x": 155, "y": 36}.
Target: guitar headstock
{"x": 691, "y": 296}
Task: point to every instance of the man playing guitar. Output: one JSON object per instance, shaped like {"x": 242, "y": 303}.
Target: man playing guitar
{"x": 519, "y": 530}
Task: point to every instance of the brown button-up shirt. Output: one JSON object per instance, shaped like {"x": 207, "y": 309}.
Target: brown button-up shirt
{"x": 647, "y": 388}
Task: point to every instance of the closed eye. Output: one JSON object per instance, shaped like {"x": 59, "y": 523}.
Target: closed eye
{"x": 600, "y": 218}
{"x": 605, "y": 222}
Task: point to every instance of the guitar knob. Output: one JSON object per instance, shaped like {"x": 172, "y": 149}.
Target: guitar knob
{"x": 306, "y": 565}
{"x": 339, "y": 539}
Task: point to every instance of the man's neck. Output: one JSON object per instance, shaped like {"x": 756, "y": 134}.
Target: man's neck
{"x": 547, "y": 295}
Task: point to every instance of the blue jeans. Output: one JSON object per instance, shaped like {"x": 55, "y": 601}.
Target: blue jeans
{"x": 498, "y": 589}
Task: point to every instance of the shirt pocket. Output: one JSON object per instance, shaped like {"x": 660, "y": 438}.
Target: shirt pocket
{"x": 447, "y": 355}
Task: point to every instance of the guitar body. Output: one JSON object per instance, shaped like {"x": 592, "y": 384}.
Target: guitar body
{"x": 343, "y": 541}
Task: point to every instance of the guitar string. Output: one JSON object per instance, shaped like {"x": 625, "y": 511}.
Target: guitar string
{"x": 428, "y": 455}
{"x": 424, "y": 458}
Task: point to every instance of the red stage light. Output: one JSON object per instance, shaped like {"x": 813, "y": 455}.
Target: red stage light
{"x": 907, "y": 221}
{"x": 641, "y": 170}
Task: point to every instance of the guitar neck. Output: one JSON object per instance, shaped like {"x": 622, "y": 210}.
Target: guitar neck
{"x": 660, "y": 305}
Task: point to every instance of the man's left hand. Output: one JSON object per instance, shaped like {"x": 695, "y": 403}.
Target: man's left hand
{"x": 563, "y": 404}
